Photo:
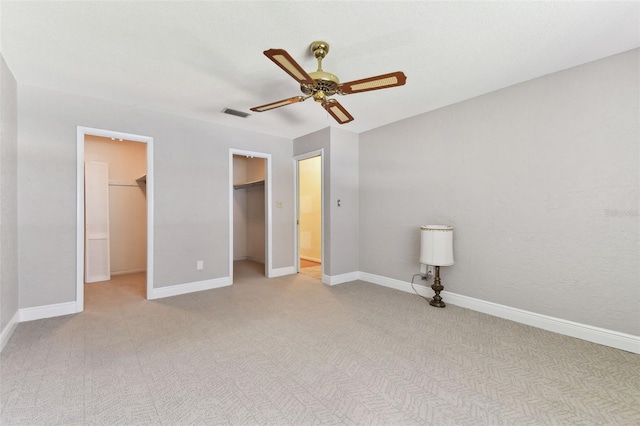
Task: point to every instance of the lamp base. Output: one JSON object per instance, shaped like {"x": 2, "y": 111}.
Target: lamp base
{"x": 437, "y": 287}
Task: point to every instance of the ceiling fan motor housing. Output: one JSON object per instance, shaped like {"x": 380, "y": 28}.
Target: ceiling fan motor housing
{"x": 325, "y": 82}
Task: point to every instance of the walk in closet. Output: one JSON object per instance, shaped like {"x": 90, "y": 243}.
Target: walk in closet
{"x": 249, "y": 211}
{"x": 115, "y": 208}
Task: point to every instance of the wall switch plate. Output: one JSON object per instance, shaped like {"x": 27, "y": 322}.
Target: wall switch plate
{"x": 200, "y": 265}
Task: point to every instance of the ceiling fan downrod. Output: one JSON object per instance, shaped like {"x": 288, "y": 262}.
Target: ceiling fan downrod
{"x": 320, "y": 50}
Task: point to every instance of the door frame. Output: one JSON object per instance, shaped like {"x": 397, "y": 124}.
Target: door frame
{"x": 80, "y": 231}
{"x": 267, "y": 210}
{"x": 296, "y": 203}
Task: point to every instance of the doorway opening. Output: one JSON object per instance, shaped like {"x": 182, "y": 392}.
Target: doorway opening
{"x": 114, "y": 215}
{"x": 250, "y": 215}
{"x": 309, "y": 221}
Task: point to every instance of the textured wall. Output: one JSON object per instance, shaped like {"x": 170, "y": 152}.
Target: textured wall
{"x": 191, "y": 191}
{"x": 540, "y": 181}
{"x": 9, "y": 291}
{"x": 344, "y": 187}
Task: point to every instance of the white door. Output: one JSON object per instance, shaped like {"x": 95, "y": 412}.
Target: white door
{"x": 96, "y": 259}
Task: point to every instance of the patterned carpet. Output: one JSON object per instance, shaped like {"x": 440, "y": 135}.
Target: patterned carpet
{"x": 287, "y": 351}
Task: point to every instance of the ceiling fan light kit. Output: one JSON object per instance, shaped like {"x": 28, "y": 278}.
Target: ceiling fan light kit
{"x": 320, "y": 84}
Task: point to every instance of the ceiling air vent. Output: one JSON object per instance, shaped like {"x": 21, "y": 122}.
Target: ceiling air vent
{"x": 235, "y": 112}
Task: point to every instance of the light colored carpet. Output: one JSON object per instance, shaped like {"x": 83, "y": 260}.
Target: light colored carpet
{"x": 314, "y": 272}
{"x": 289, "y": 351}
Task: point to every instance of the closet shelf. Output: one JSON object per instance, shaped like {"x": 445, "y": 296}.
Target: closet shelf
{"x": 142, "y": 179}
{"x": 248, "y": 184}
{"x": 122, "y": 182}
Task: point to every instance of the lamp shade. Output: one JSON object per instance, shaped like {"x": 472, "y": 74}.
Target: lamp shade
{"x": 436, "y": 245}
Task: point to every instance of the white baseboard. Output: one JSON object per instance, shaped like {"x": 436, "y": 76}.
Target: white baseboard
{"x": 178, "y": 289}
{"x": 280, "y": 272}
{"x": 614, "y": 339}
{"x": 48, "y": 311}
{"x": 6, "y": 333}
{"x": 386, "y": 282}
{"x": 590, "y": 333}
{"x": 340, "y": 279}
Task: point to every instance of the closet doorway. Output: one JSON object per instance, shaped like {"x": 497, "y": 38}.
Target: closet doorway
{"x": 115, "y": 214}
{"x": 309, "y": 221}
{"x": 250, "y": 210}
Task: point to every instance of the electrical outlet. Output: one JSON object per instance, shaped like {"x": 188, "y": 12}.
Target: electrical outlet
{"x": 426, "y": 271}
{"x": 200, "y": 265}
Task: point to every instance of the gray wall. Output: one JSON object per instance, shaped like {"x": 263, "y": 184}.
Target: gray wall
{"x": 340, "y": 227}
{"x": 9, "y": 290}
{"x": 191, "y": 191}
{"x": 540, "y": 181}
{"x": 344, "y": 185}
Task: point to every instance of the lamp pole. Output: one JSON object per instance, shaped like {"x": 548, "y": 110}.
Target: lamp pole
{"x": 437, "y": 288}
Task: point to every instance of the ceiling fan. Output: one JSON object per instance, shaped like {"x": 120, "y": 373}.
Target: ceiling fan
{"x": 320, "y": 84}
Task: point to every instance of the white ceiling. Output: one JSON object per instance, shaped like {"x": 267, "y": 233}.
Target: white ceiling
{"x": 195, "y": 58}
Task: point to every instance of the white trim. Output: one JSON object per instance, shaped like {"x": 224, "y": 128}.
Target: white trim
{"x": 614, "y": 339}
{"x": 340, "y": 279}
{"x": 81, "y": 133}
{"x": 268, "y": 209}
{"x": 385, "y": 282}
{"x": 280, "y": 272}
{"x": 7, "y": 332}
{"x": 296, "y": 207}
{"x": 80, "y": 219}
{"x": 178, "y": 289}
{"x": 47, "y": 311}
{"x": 590, "y": 333}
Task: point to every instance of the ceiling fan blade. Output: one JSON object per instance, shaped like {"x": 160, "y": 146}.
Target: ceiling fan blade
{"x": 337, "y": 111}
{"x": 383, "y": 81}
{"x": 291, "y": 67}
{"x": 279, "y": 104}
